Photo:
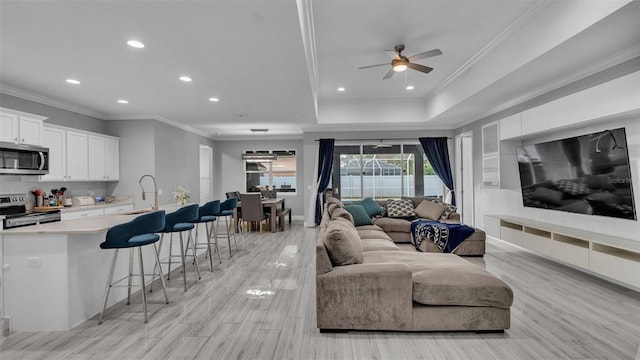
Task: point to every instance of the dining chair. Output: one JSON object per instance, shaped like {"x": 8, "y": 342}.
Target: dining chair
{"x": 136, "y": 233}
{"x": 252, "y": 210}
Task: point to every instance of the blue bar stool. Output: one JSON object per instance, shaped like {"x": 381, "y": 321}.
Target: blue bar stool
{"x": 135, "y": 233}
{"x": 206, "y": 216}
{"x": 179, "y": 221}
{"x": 227, "y": 209}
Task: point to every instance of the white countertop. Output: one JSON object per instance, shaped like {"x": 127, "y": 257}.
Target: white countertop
{"x": 88, "y": 225}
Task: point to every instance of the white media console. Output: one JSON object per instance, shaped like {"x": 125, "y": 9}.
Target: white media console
{"x": 611, "y": 257}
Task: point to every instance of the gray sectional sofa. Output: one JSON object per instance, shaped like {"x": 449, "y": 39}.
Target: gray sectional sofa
{"x": 399, "y": 230}
{"x": 364, "y": 281}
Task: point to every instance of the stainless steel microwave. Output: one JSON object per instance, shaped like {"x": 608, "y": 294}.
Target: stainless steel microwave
{"x": 20, "y": 159}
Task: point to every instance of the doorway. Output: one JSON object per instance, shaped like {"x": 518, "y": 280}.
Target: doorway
{"x": 206, "y": 184}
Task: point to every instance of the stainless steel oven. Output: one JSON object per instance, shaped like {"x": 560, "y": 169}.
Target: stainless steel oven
{"x": 20, "y": 159}
{"x": 14, "y": 213}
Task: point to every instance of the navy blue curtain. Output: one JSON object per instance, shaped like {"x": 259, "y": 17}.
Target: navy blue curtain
{"x": 325, "y": 163}
{"x": 437, "y": 152}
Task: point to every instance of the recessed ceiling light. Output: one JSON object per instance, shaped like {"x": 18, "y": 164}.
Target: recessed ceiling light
{"x": 410, "y": 87}
{"x": 341, "y": 89}
{"x": 185, "y": 78}
{"x": 73, "y": 81}
{"x": 123, "y": 101}
{"x": 214, "y": 99}
{"x": 136, "y": 44}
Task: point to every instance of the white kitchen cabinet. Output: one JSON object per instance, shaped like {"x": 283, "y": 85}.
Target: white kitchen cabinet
{"x": 118, "y": 209}
{"x": 112, "y": 159}
{"x": 104, "y": 158}
{"x": 21, "y": 128}
{"x": 9, "y": 127}
{"x": 71, "y": 215}
{"x": 55, "y": 140}
{"x": 96, "y": 158}
{"x": 77, "y": 157}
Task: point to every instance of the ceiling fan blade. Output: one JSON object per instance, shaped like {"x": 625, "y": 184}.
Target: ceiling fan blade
{"x": 389, "y": 74}
{"x": 370, "y": 66}
{"x": 422, "y": 68}
{"x": 426, "y": 54}
{"x": 392, "y": 54}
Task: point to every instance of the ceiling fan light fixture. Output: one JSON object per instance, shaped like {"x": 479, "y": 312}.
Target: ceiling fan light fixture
{"x": 399, "y": 67}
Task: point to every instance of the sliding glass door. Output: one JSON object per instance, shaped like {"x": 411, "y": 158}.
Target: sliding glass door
{"x": 382, "y": 171}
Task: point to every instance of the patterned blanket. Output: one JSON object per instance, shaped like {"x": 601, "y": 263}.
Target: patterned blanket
{"x": 447, "y": 237}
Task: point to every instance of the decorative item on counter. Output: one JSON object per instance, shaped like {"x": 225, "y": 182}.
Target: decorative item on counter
{"x": 181, "y": 195}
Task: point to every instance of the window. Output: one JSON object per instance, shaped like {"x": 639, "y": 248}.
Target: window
{"x": 278, "y": 174}
{"x": 383, "y": 171}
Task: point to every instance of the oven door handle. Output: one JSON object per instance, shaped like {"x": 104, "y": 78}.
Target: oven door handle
{"x": 41, "y": 160}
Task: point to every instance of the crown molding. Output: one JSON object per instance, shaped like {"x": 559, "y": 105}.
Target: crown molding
{"x": 307, "y": 30}
{"x": 516, "y": 25}
{"x": 161, "y": 119}
{"x": 42, "y": 99}
{"x": 619, "y": 58}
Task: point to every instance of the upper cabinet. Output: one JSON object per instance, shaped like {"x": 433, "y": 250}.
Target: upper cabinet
{"x": 21, "y": 128}
{"x": 76, "y": 155}
{"x": 104, "y": 154}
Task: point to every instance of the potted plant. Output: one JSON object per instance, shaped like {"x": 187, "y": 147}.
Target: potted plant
{"x": 181, "y": 195}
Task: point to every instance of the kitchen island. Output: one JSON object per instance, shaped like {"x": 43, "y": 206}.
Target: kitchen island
{"x": 53, "y": 275}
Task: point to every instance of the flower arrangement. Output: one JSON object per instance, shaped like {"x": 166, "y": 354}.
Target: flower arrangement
{"x": 181, "y": 195}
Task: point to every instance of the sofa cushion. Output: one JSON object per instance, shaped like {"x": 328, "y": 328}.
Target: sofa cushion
{"x": 393, "y": 225}
{"x": 359, "y": 214}
{"x": 343, "y": 243}
{"x": 372, "y": 208}
{"x": 400, "y": 208}
{"x": 378, "y": 245}
{"x": 449, "y": 212}
{"x": 430, "y": 210}
{"x": 372, "y": 234}
{"x": 447, "y": 279}
{"x": 342, "y": 213}
{"x": 369, "y": 227}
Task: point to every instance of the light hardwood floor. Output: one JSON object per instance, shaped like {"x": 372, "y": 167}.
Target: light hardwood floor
{"x": 260, "y": 304}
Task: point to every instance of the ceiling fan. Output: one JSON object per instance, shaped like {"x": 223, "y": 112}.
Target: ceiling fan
{"x": 400, "y": 62}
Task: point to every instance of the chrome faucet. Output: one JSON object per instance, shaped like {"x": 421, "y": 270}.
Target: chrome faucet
{"x": 155, "y": 191}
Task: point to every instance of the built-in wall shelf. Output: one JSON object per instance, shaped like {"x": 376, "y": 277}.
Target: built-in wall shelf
{"x": 612, "y": 257}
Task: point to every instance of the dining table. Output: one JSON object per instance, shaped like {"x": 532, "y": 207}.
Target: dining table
{"x": 270, "y": 203}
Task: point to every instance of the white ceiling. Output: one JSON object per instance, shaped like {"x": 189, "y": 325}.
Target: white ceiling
{"x": 257, "y": 57}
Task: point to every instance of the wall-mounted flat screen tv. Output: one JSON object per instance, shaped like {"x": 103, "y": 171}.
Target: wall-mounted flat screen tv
{"x": 588, "y": 174}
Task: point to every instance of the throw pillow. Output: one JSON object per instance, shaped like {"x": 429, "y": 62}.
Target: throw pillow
{"x": 371, "y": 207}
{"x": 450, "y": 209}
{"x": 430, "y": 210}
{"x": 343, "y": 243}
{"x": 400, "y": 208}
{"x": 342, "y": 213}
{"x": 359, "y": 214}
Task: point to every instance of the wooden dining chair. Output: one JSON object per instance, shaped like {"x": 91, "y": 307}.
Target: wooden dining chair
{"x": 252, "y": 210}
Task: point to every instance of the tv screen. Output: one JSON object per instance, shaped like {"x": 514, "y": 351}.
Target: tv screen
{"x": 588, "y": 174}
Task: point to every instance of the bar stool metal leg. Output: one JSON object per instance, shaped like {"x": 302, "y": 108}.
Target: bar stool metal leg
{"x": 144, "y": 291}
{"x": 108, "y": 287}
{"x": 192, "y": 241}
{"x": 162, "y": 283}
{"x": 130, "y": 275}
{"x": 184, "y": 268}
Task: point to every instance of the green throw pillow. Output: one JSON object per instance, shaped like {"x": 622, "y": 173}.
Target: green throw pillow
{"x": 360, "y": 216}
{"x": 371, "y": 207}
